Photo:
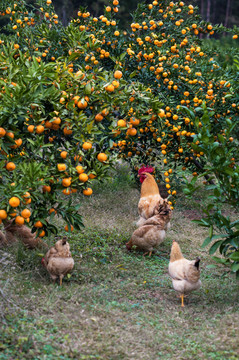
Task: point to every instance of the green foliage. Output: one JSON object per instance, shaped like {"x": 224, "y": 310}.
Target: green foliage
{"x": 223, "y": 174}
{"x": 177, "y": 99}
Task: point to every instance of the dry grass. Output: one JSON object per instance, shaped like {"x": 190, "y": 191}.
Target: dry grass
{"x": 117, "y": 305}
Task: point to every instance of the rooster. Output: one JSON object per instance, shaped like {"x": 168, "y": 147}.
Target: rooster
{"x": 149, "y": 197}
{"x": 58, "y": 260}
{"x": 185, "y": 274}
{"x": 152, "y": 233}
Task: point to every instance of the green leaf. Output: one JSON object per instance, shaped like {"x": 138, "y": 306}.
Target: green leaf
{"x": 215, "y": 246}
{"x": 206, "y": 242}
{"x": 88, "y": 89}
{"x": 212, "y": 266}
{"x": 221, "y": 260}
{"x": 235, "y": 267}
{"x": 235, "y": 256}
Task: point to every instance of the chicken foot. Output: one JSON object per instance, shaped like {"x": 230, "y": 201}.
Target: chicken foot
{"x": 147, "y": 252}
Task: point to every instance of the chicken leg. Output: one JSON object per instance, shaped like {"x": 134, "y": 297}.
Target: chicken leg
{"x": 61, "y": 277}
{"x": 182, "y": 300}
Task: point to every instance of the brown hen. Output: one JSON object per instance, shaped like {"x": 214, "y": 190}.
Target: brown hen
{"x": 58, "y": 260}
{"x": 185, "y": 273}
{"x": 153, "y": 231}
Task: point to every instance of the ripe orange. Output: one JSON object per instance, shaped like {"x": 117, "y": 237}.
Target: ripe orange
{"x": 87, "y": 145}
{"x": 83, "y": 177}
{"x": 27, "y": 199}
{"x": 79, "y": 169}
{"x": 64, "y": 154}
{"x": 14, "y": 201}
{"x": 66, "y": 191}
{"x": 52, "y": 210}
{"x": 18, "y": 142}
{"x": 121, "y": 123}
{"x": 42, "y": 233}
{"x": 87, "y": 191}
{"x": 98, "y": 117}
{"x": 132, "y": 132}
{"x": 105, "y": 112}
{"x": 66, "y": 182}
{"x": 19, "y": 220}
{"x": 102, "y": 157}
{"x": 118, "y": 74}
{"x": 3, "y": 214}
{"x": 82, "y": 104}
{"x": 110, "y": 88}
{"x": 10, "y": 166}
{"x": 61, "y": 167}
{"x": 115, "y": 83}
{"x": 38, "y": 224}
{"x": 92, "y": 176}
{"x": 40, "y": 129}
{"x": 134, "y": 121}
{"x": 10, "y": 134}
{"x": 56, "y": 120}
{"x": 161, "y": 113}
{"x": 80, "y": 74}
{"x": 67, "y": 131}
{"x": 67, "y": 228}
{"x": 26, "y": 213}
{"x": 46, "y": 188}
{"x": 2, "y": 132}
{"x": 78, "y": 157}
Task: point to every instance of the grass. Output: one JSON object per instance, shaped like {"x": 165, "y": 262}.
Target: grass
{"x": 117, "y": 304}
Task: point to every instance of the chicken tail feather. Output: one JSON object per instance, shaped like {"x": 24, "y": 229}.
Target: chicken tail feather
{"x": 197, "y": 263}
{"x": 129, "y": 245}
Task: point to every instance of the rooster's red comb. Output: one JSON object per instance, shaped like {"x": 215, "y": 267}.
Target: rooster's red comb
{"x": 148, "y": 169}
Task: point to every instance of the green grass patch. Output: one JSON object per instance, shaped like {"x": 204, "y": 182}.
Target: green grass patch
{"x": 117, "y": 304}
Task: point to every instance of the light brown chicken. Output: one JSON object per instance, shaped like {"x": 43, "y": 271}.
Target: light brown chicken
{"x": 15, "y": 232}
{"x": 152, "y": 233}
{"x": 149, "y": 197}
{"x": 58, "y": 260}
{"x": 185, "y": 274}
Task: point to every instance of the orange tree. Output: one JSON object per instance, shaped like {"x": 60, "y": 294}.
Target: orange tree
{"x": 195, "y": 127}
{"x": 58, "y": 115}
{"x": 73, "y": 99}
{"x": 165, "y": 52}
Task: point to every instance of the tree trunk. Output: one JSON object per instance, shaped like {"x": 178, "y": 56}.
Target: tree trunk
{"x": 214, "y": 12}
{"x": 202, "y": 9}
{"x": 227, "y": 13}
{"x": 208, "y": 10}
